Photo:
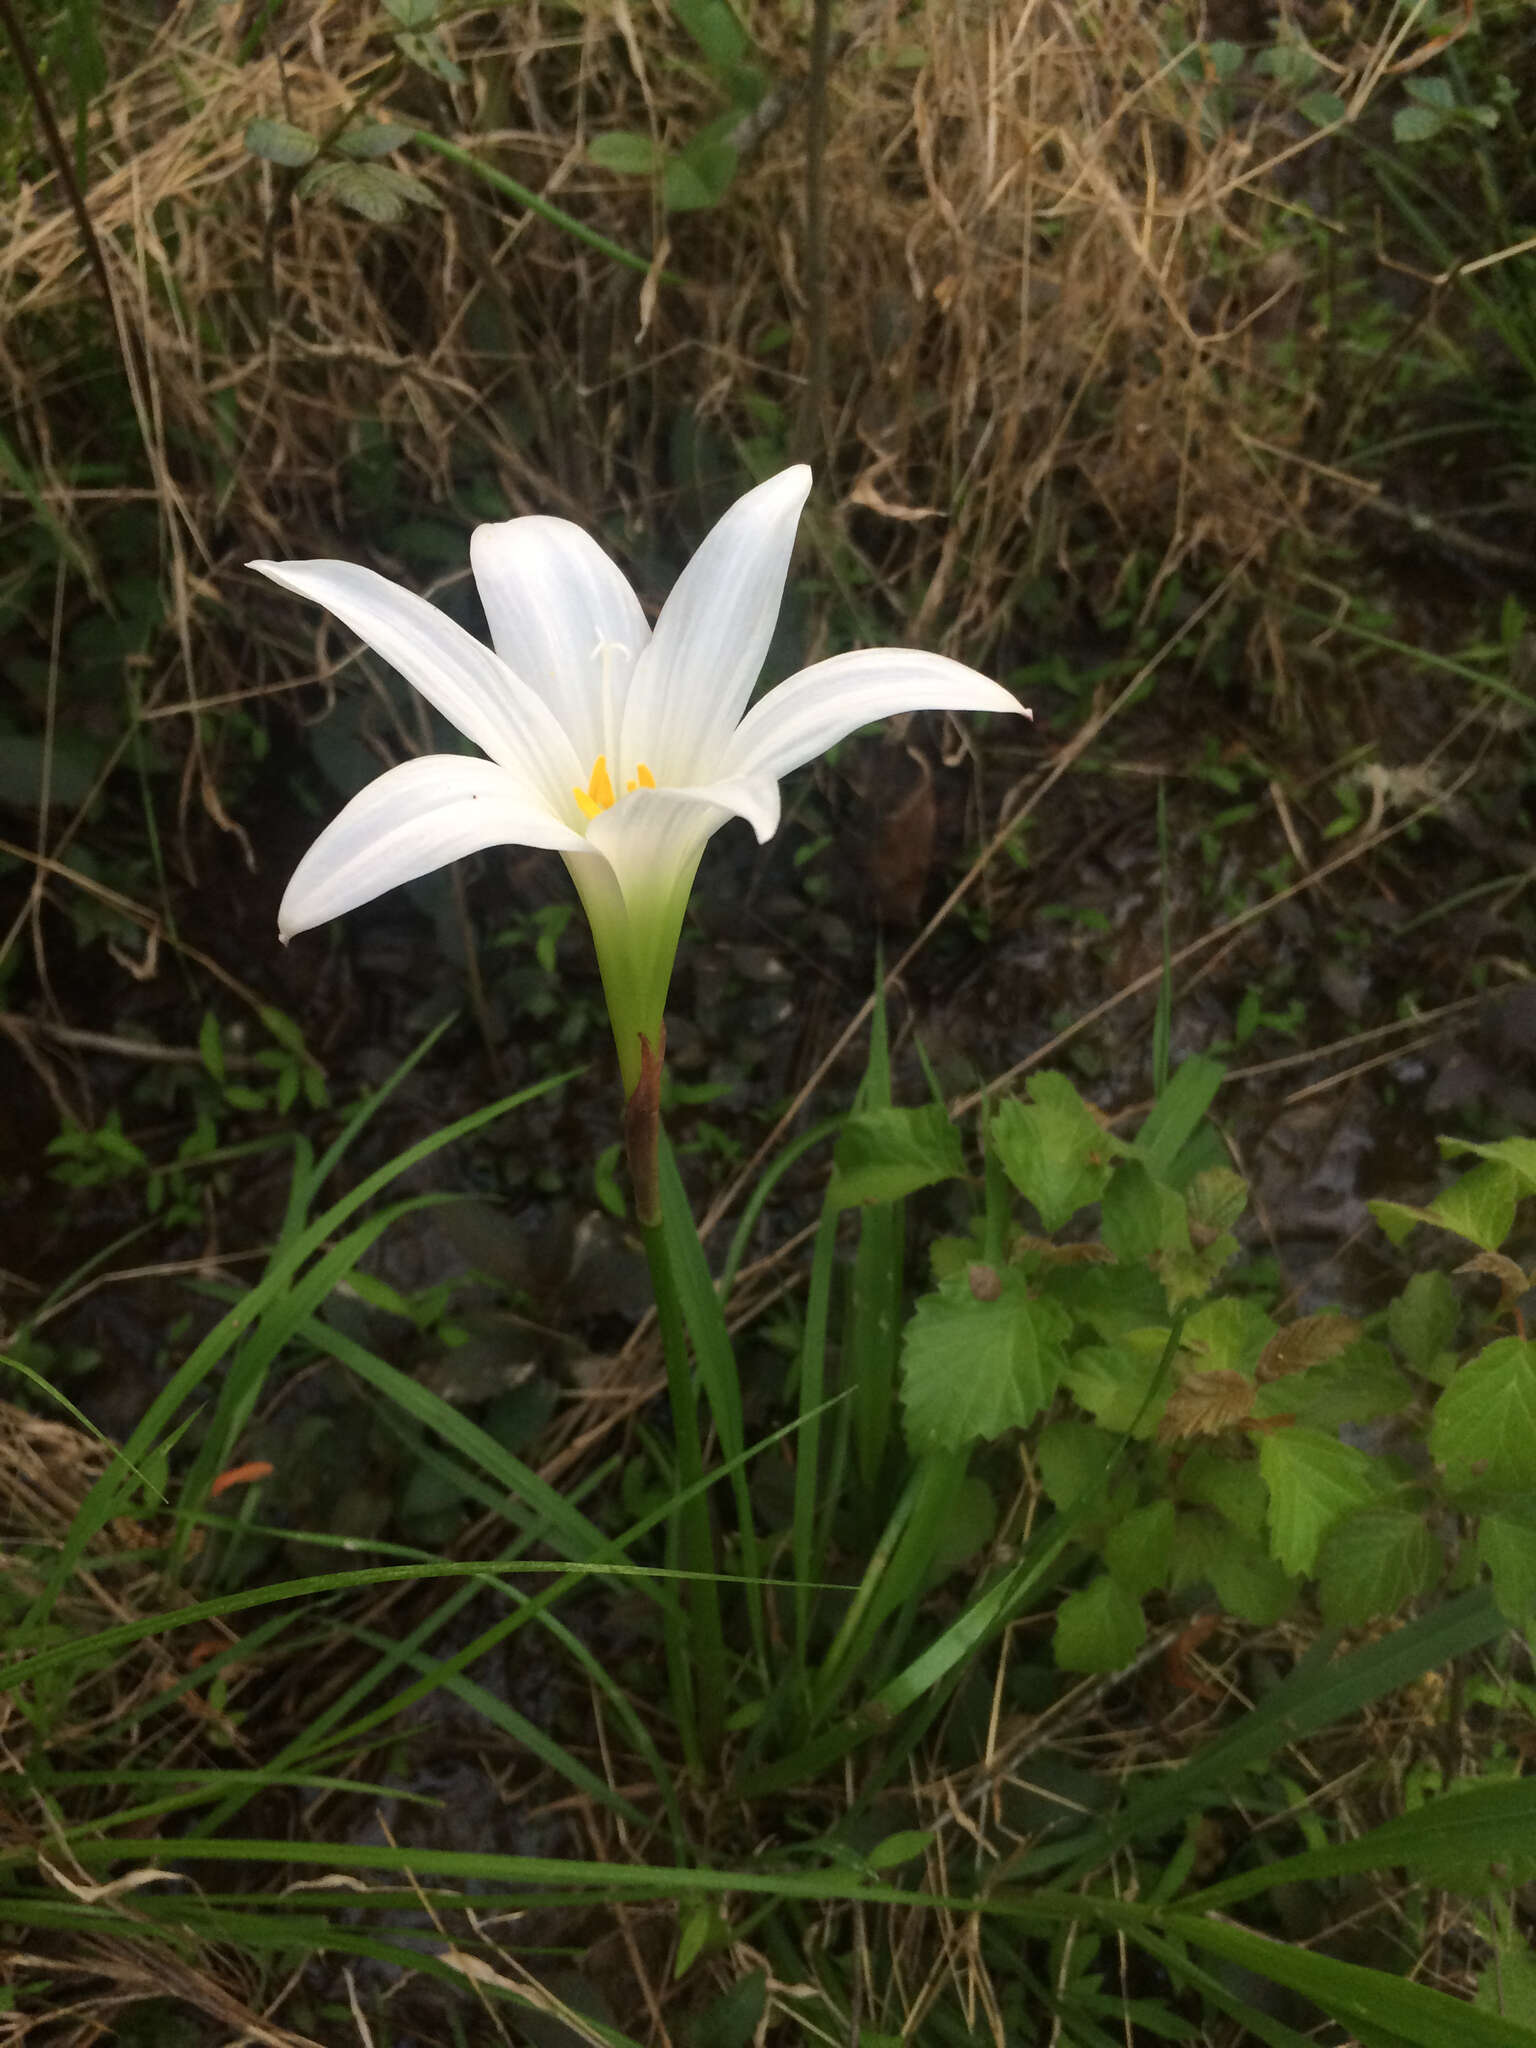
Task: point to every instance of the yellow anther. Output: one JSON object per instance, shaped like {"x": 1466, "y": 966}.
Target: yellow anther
{"x": 598, "y": 794}
{"x": 644, "y": 779}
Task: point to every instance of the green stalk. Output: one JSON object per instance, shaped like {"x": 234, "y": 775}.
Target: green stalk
{"x": 695, "y": 1541}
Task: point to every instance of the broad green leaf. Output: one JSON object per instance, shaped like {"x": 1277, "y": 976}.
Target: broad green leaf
{"x": 1216, "y": 1198}
{"x": 1373, "y": 1563}
{"x": 1138, "y": 1550}
{"x": 884, "y": 1154}
{"x": 1356, "y": 1386}
{"x": 732, "y": 2019}
{"x": 1054, "y": 1149}
{"x": 1226, "y": 1336}
{"x": 1112, "y": 1301}
{"x": 413, "y": 13}
{"x": 1232, "y": 1486}
{"x": 378, "y": 192}
{"x": 280, "y": 142}
{"x": 1508, "y": 1985}
{"x": 1422, "y": 1320}
{"x": 1479, "y": 1207}
{"x": 1178, "y": 1113}
{"x": 627, "y": 151}
{"x": 1483, "y": 1434}
{"x": 1099, "y": 1628}
{"x": 968, "y": 1527}
{"x": 1072, "y": 1459}
{"x": 1416, "y": 124}
{"x": 1314, "y": 1481}
{"x": 1119, "y": 1383}
{"x": 1506, "y": 1545}
{"x": 373, "y": 139}
{"x": 1519, "y": 1154}
{"x": 700, "y": 177}
{"x": 974, "y": 1368}
{"x": 1141, "y": 1216}
{"x": 1323, "y": 109}
{"x": 1250, "y": 1585}
{"x": 714, "y": 27}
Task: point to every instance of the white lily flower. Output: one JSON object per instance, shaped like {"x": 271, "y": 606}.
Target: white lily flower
{"x": 621, "y": 747}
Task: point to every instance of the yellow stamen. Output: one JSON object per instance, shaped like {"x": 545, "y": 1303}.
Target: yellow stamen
{"x": 644, "y": 779}
{"x": 598, "y": 794}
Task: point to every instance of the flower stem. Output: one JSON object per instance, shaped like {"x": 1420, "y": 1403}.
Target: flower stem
{"x": 694, "y": 1536}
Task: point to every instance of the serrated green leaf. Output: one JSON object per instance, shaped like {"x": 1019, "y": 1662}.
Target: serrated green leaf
{"x": 280, "y": 142}
{"x": 1358, "y": 1385}
{"x": 373, "y": 139}
{"x": 1232, "y": 1486}
{"x": 1422, "y": 1320}
{"x": 1518, "y": 1154}
{"x": 1373, "y": 1563}
{"x": 1072, "y": 1459}
{"x": 627, "y": 151}
{"x": 1118, "y": 1384}
{"x": 1138, "y": 1550}
{"x": 1506, "y": 1547}
{"x": 1141, "y": 1216}
{"x": 378, "y": 192}
{"x": 1249, "y": 1583}
{"x": 1483, "y": 1434}
{"x": 1053, "y": 1149}
{"x": 884, "y": 1154}
{"x": 1099, "y": 1628}
{"x": 974, "y": 1369}
{"x": 1216, "y": 1198}
{"x": 1480, "y": 1207}
{"x": 1314, "y": 1481}
{"x": 1226, "y": 1336}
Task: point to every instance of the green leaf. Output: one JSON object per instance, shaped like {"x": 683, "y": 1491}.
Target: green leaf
{"x": 1479, "y": 1207}
{"x": 1422, "y": 1320}
{"x": 903, "y": 1847}
{"x": 1433, "y": 92}
{"x": 1358, "y": 1385}
{"x": 1100, "y": 1628}
{"x": 974, "y": 1368}
{"x": 1322, "y": 109}
{"x": 627, "y": 151}
{"x": 1138, "y": 1550}
{"x": 428, "y": 53}
{"x": 732, "y": 2019}
{"x": 376, "y": 191}
{"x": 700, "y": 177}
{"x": 1249, "y": 1584}
{"x": 373, "y": 139}
{"x": 210, "y": 1046}
{"x": 714, "y": 27}
{"x": 884, "y": 1154}
{"x": 1518, "y": 1154}
{"x": 1506, "y": 1546}
{"x": 1230, "y": 1486}
{"x": 1054, "y": 1149}
{"x": 1216, "y": 1198}
{"x": 412, "y": 13}
{"x": 1416, "y": 124}
{"x": 1373, "y": 1563}
{"x": 280, "y": 142}
{"x": 1119, "y": 1383}
{"x": 1483, "y": 1434}
{"x": 969, "y": 1524}
{"x": 1226, "y": 1336}
{"x": 1141, "y": 1216}
{"x": 1178, "y": 1113}
{"x": 1073, "y": 1459}
{"x": 1314, "y": 1481}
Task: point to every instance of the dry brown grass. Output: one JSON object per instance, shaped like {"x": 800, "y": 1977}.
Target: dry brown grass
{"x": 1056, "y": 288}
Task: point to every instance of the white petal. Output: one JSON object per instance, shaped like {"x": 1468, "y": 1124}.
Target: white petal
{"x": 470, "y": 685}
{"x": 824, "y": 703}
{"x": 413, "y": 819}
{"x": 694, "y": 679}
{"x": 558, "y": 609}
{"x": 652, "y": 840}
